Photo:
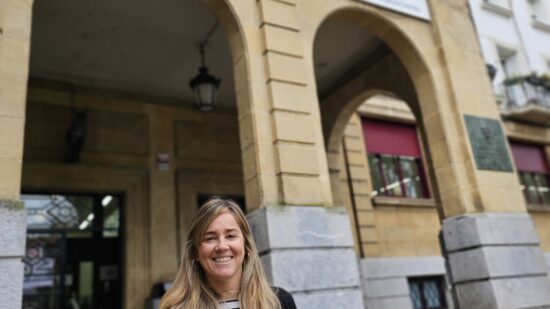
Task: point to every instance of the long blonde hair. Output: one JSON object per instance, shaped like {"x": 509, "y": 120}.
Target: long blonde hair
{"x": 191, "y": 290}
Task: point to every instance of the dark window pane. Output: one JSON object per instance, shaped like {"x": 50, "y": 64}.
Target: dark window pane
{"x": 391, "y": 174}
{"x": 416, "y": 296}
{"x": 58, "y": 212}
{"x": 542, "y": 187}
{"x": 530, "y": 188}
{"x": 111, "y": 215}
{"x": 427, "y": 293}
{"x": 411, "y": 177}
{"x": 42, "y": 263}
{"x": 523, "y": 186}
{"x": 376, "y": 178}
{"x": 75, "y": 214}
{"x": 393, "y": 183}
{"x": 432, "y": 294}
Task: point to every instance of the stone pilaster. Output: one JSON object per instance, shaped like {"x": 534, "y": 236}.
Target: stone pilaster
{"x": 309, "y": 252}
{"x": 12, "y": 249}
{"x": 495, "y": 261}
{"x": 357, "y": 179}
{"x": 299, "y": 154}
{"x": 163, "y": 244}
{"x": 15, "y": 29}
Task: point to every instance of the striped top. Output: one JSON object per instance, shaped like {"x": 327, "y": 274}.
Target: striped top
{"x": 230, "y": 304}
{"x": 285, "y": 298}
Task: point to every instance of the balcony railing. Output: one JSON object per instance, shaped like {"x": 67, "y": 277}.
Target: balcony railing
{"x": 528, "y": 98}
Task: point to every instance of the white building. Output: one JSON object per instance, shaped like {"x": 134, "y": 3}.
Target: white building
{"x": 515, "y": 40}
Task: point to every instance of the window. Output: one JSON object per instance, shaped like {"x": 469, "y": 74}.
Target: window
{"x": 533, "y": 172}
{"x": 510, "y": 68}
{"x": 428, "y": 292}
{"x": 501, "y": 7}
{"x": 540, "y": 14}
{"x": 508, "y": 60}
{"x": 395, "y": 159}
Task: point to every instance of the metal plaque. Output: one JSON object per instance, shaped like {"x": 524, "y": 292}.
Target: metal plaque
{"x": 488, "y": 144}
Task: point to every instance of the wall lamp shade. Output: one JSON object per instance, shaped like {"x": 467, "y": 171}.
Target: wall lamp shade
{"x": 205, "y": 88}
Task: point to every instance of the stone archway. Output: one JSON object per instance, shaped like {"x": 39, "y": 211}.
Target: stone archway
{"x": 402, "y": 71}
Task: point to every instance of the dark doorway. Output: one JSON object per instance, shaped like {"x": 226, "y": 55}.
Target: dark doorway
{"x": 74, "y": 251}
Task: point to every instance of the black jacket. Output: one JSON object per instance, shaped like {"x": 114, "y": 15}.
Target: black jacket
{"x": 286, "y": 300}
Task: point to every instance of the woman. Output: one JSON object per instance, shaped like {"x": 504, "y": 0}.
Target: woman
{"x": 220, "y": 267}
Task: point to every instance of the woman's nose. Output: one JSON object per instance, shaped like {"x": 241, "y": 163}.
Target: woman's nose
{"x": 222, "y": 245}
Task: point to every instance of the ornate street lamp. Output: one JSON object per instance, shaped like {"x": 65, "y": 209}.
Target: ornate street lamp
{"x": 204, "y": 85}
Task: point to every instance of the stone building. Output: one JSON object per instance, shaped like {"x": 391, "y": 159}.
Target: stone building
{"x": 111, "y": 158}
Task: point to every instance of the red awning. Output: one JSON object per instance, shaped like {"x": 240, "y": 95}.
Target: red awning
{"x": 384, "y": 137}
{"x": 529, "y": 158}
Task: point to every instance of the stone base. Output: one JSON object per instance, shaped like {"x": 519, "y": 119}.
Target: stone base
{"x": 12, "y": 247}
{"x": 495, "y": 261}
{"x": 309, "y": 252}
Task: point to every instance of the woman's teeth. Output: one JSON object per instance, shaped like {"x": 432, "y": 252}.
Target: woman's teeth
{"x": 222, "y": 259}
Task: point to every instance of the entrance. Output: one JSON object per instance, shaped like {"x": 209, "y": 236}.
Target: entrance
{"x": 73, "y": 253}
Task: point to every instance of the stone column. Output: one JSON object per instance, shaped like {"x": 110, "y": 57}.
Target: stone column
{"x": 15, "y": 28}
{"x": 493, "y": 253}
{"x": 309, "y": 252}
{"x": 163, "y": 250}
{"x": 306, "y": 246}
{"x": 495, "y": 261}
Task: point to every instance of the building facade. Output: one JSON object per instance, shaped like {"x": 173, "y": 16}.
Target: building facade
{"x": 514, "y": 43}
{"x": 111, "y": 159}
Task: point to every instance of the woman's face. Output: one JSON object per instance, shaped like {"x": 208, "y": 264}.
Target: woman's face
{"x": 221, "y": 251}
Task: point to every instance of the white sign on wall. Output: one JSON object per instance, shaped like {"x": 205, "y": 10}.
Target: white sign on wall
{"x": 416, "y": 8}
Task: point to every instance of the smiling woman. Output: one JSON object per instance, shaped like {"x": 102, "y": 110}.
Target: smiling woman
{"x": 220, "y": 267}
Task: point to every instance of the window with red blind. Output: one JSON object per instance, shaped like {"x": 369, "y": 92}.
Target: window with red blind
{"x": 533, "y": 172}
{"x": 395, "y": 159}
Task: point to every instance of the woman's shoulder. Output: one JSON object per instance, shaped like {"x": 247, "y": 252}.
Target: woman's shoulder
{"x": 285, "y": 298}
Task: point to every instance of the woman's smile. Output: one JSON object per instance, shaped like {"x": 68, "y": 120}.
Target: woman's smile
{"x": 222, "y": 260}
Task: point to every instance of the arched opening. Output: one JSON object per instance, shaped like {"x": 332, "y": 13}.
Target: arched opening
{"x": 117, "y": 75}
{"x": 373, "y": 95}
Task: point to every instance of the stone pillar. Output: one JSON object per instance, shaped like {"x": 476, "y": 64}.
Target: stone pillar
{"x": 495, "y": 261}
{"x": 309, "y": 252}
{"x": 306, "y": 247}
{"x": 281, "y": 138}
{"x": 15, "y": 28}
{"x": 163, "y": 250}
{"x": 493, "y": 254}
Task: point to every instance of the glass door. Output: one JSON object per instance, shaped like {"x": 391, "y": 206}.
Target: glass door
{"x": 73, "y": 251}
